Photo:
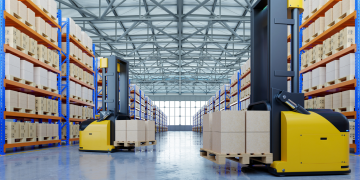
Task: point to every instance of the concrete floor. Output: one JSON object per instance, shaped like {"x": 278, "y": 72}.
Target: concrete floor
{"x": 176, "y": 156}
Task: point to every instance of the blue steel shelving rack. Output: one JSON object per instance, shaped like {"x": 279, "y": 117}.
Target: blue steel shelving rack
{"x": 357, "y": 72}
{"x": 65, "y": 87}
{"x": 2, "y": 77}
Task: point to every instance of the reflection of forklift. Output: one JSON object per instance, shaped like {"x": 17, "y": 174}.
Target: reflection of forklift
{"x": 302, "y": 142}
{"x": 99, "y": 134}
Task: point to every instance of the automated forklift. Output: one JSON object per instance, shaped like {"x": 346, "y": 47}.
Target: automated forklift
{"x": 99, "y": 134}
{"x": 303, "y": 142}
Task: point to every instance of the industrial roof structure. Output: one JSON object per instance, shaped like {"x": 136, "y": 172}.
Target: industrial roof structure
{"x": 175, "y": 47}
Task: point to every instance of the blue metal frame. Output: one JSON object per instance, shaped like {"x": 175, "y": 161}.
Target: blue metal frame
{"x": 59, "y": 16}
{"x": 357, "y": 76}
{"x": 66, "y": 86}
{"x": 2, "y": 77}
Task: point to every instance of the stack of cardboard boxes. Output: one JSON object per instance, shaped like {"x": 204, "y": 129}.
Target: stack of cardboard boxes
{"x": 74, "y": 131}
{"x": 134, "y": 131}
{"x": 237, "y": 132}
{"x": 19, "y": 102}
{"x": 81, "y": 36}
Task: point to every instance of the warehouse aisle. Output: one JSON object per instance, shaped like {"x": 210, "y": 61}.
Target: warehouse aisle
{"x": 176, "y": 156}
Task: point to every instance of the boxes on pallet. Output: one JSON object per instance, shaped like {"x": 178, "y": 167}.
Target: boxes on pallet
{"x": 228, "y": 132}
{"x": 329, "y": 101}
{"x": 52, "y": 8}
{"x": 318, "y": 52}
{"x": 319, "y": 103}
{"x": 348, "y": 99}
{"x": 334, "y": 44}
{"x": 11, "y": 7}
{"x": 306, "y": 35}
{"x": 11, "y": 99}
{"x": 90, "y": 43}
{"x": 30, "y": 128}
{"x": 347, "y": 7}
{"x": 30, "y": 102}
{"x": 48, "y": 105}
{"x": 52, "y": 80}
{"x": 41, "y": 130}
{"x": 12, "y": 65}
{"x": 40, "y": 104}
{"x": 78, "y": 90}
{"x": 40, "y": 76}
{"x": 22, "y": 129}
{"x": 72, "y": 28}
{"x": 55, "y": 129}
{"x": 347, "y": 37}
{"x": 40, "y": 25}
{"x": 22, "y": 100}
{"x": 84, "y": 38}
{"x": 26, "y": 70}
{"x": 42, "y": 52}
{"x": 347, "y": 65}
{"x": 12, "y": 130}
{"x": 311, "y": 30}
{"x": 149, "y": 130}
{"x": 50, "y": 56}
{"x": 307, "y": 8}
{"x": 78, "y": 31}
{"x": 328, "y": 16}
{"x": 337, "y": 10}
{"x": 24, "y": 42}
{"x": 12, "y": 36}
{"x": 42, "y": 4}
{"x": 84, "y": 91}
{"x": 22, "y": 10}
{"x": 80, "y": 74}
{"x": 49, "y": 130}
{"x": 54, "y": 34}
{"x": 71, "y": 48}
{"x": 33, "y": 47}
{"x": 30, "y": 17}
{"x": 337, "y": 100}
{"x": 307, "y": 80}
{"x": 332, "y": 71}
{"x": 318, "y": 76}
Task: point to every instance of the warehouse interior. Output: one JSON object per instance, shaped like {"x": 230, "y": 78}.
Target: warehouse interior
{"x": 180, "y": 89}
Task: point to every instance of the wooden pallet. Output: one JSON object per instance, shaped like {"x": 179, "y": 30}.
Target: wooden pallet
{"x": 344, "y": 15}
{"x": 346, "y": 78}
{"x": 243, "y": 158}
{"x": 42, "y": 87}
{"x": 51, "y": 16}
{"x": 316, "y": 87}
{"x": 330, "y": 83}
{"x": 134, "y": 143}
{"x": 345, "y": 109}
{"x": 47, "y": 138}
{"x": 30, "y": 139}
{"x": 15, "y": 79}
{"x": 330, "y": 24}
{"x": 31, "y": 26}
{"x": 47, "y": 113}
{"x": 15, "y": 109}
{"x": 305, "y": 90}
{"x": 14, "y": 140}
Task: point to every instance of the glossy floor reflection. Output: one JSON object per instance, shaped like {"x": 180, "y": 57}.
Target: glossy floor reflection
{"x": 176, "y": 156}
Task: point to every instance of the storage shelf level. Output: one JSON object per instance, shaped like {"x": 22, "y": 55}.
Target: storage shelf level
{"x": 29, "y": 144}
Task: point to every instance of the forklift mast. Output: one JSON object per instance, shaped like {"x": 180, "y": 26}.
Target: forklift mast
{"x": 115, "y": 72}
{"x": 269, "y": 22}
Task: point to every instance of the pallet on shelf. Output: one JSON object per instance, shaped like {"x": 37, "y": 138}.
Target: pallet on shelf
{"x": 346, "y": 78}
{"x": 47, "y": 138}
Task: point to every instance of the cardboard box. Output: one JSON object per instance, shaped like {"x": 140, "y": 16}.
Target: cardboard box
{"x": 24, "y": 42}
{"x": 40, "y": 25}
{"x": 319, "y": 103}
{"x": 207, "y": 140}
{"x": 347, "y": 65}
{"x": 328, "y": 16}
{"x": 228, "y": 121}
{"x": 12, "y": 130}
{"x": 30, "y": 17}
{"x": 150, "y": 126}
{"x": 120, "y": 125}
{"x": 11, "y": 98}
{"x": 329, "y": 101}
{"x": 257, "y": 142}
{"x": 347, "y": 37}
{"x": 12, "y": 36}
{"x": 337, "y": 10}
{"x": 12, "y": 65}
{"x": 332, "y": 71}
{"x": 40, "y": 76}
{"x": 135, "y": 135}
{"x": 120, "y": 136}
{"x": 22, "y": 10}
{"x": 22, "y": 130}
{"x": 33, "y": 47}
{"x": 335, "y": 39}
{"x": 40, "y": 104}
{"x": 41, "y": 130}
{"x": 150, "y": 135}
{"x": 258, "y": 121}
{"x": 22, "y": 100}
{"x": 11, "y": 7}
{"x": 207, "y": 122}
{"x": 72, "y": 27}
{"x": 42, "y": 52}
{"x": 135, "y": 125}
{"x": 31, "y": 102}
{"x": 348, "y": 98}
{"x": 229, "y": 142}
{"x": 319, "y": 25}
{"x": 31, "y": 129}
{"x": 348, "y": 6}
{"x": 337, "y": 100}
